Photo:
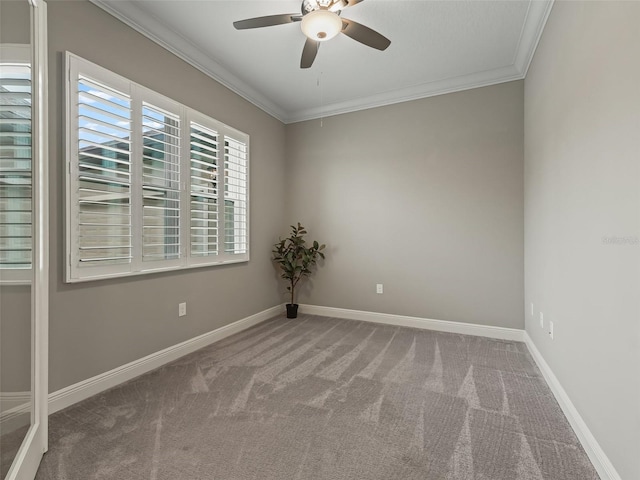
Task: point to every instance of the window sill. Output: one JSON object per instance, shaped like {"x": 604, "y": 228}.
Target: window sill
{"x": 106, "y": 276}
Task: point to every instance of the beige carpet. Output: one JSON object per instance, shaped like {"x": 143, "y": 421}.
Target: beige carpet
{"x": 324, "y": 398}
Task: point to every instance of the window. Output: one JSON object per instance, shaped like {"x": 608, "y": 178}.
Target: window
{"x": 15, "y": 164}
{"x": 152, "y": 184}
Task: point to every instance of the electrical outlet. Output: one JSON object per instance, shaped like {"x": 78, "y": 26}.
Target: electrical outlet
{"x": 182, "y": 309}
{"x": 379, "y": 288}
{"x": 541, "y": 320}
{"x": 532, "y": 309}
{"x": 551, "y": 330}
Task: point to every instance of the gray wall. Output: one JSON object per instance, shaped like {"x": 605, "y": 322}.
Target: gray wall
{"x": 582, "y": 215}
{"x": 97, "y": 326}
{"x": 15, "y": 300}
{"x": 15, "y": 338}
{"x": 15, "y": 22}
{"x": 425, "y": 197}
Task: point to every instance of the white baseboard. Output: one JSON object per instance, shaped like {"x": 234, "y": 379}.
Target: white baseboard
{"x": 9, "y": 400}
{"x": 14, "y": 410}
{"x": 67, "y": 396}
{"x": 74, "y": 393}
{"x": 598, "y": 458}
{"x": 501, "y": 333}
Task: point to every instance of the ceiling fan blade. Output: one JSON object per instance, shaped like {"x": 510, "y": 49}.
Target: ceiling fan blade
{"x": 364, "y": 35}
{"x": 309, "y": 53}
{"x": 267, "y": 21}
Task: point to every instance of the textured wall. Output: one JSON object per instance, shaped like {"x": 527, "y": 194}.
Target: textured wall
{"x": 100, "y": 325}
{"x": 582, "y": 215}
{"x": 425, "y": 197}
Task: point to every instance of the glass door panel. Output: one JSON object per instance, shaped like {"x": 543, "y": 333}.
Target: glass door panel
{"x": 16, "y": 208}
{"x": 23, "y": 244}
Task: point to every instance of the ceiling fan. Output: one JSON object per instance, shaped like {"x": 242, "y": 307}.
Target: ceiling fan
{"x": 320, "y": 21}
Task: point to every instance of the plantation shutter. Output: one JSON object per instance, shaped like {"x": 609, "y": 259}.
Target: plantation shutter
{"x": 15, "y": 168}
{"x": 102, "y": 177}
{"x": 151, "y": 184}
{"x": 160, "y": 184}
{"x": 204, "y": 191}
{"x": 235, "y": 197}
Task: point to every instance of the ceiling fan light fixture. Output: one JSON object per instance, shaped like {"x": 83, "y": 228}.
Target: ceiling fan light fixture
{"x": 321, "y": 25}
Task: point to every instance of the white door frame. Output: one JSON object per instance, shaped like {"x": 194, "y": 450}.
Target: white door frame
{"x": 27, "y": 460}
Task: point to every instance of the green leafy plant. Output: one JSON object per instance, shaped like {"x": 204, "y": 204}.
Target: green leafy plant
{"x": 295, "y": 259}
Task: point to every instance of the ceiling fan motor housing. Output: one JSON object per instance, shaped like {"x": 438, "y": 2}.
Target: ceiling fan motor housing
{"x": 332, "y": 5}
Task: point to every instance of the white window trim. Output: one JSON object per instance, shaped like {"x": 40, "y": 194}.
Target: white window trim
{"x": 73, "y": 66}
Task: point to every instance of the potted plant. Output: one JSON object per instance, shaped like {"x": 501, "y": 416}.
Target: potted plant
{"x": 296, "y": 261}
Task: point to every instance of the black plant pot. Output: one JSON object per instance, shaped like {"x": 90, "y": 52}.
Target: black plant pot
{"x": 292, "y": 310}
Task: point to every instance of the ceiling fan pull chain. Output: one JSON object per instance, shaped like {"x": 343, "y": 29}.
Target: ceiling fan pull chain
{"x": 321, "y": 99}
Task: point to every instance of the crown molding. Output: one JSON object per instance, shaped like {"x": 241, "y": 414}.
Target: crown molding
{"x": 159, "y": 33}
{"x": 536, "y": 18}
{"x": 416, "y": 92}
{"x": 532, "y": 29}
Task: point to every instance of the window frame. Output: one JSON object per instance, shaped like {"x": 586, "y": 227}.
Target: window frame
{"x": 139, "y": 97}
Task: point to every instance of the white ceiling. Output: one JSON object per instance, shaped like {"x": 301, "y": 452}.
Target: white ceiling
{"x": 436, "y": 47}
